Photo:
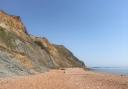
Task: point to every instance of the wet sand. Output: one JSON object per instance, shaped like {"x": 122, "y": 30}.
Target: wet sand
{"x": 71, "y": 78}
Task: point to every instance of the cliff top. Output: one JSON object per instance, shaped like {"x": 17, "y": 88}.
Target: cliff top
{"x": 13, "y": 23}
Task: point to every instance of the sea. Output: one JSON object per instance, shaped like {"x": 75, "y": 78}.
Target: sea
{"x": 111, "y": 70}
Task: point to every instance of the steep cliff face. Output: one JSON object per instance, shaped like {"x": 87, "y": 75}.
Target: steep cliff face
{"x": 13, "y": 24}
{"x": 22, "y": 54}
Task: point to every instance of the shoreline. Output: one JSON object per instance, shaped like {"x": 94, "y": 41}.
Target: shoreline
{"x": 109, "y": 71}
{"x": 71, "y": 78}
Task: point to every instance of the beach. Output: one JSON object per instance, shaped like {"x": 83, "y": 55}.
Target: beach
{"x": 70, "y": 78}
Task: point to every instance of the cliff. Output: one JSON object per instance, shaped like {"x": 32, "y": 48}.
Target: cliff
{"x": 23, "y": 54}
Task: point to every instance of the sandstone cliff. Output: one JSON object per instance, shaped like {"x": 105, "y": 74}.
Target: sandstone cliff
{"x": 23, "y": 54}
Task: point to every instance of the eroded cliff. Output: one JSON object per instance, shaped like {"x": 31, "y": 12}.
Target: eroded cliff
{"x": 23, "y": 54}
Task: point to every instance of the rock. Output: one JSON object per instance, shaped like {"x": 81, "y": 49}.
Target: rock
{"x": 21, "y": 53}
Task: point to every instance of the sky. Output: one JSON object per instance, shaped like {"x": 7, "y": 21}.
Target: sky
{"x": 96, "y": 31}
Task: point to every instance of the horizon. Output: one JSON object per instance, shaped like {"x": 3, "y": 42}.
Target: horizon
{"x": 95, "y": 31}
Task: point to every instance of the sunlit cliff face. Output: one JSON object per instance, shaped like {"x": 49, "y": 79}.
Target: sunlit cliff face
{"x": 13, "y": 23}
{"x": 22, "y": 53}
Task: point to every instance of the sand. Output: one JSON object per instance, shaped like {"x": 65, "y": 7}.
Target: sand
{"x": 71, "y": 78}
